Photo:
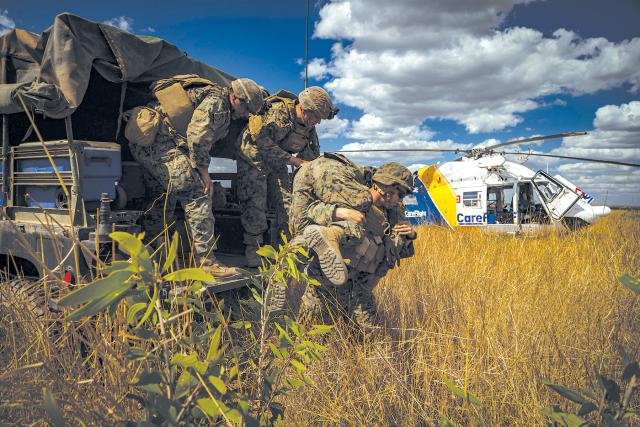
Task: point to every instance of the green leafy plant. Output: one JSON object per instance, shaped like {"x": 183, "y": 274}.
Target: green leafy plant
{"x": 609, "y": 402}
{"x": 467, "y": 399}
{"x": 194, "y": 363}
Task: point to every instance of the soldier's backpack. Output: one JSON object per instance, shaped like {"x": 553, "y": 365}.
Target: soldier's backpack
{"x": 143, "y": 122}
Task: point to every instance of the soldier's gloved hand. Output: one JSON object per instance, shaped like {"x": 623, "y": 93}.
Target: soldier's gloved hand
{"x": 404, "y": 228}
{"x": 296, "y": 161}
{"x": 349, "y": 215}
{"x": 206, "y": 180}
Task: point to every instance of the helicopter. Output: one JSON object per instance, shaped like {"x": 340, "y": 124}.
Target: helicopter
{"x": 483, "y": 189}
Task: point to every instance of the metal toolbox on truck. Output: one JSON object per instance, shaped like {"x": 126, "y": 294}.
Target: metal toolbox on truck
{"x": 37, "y": 185}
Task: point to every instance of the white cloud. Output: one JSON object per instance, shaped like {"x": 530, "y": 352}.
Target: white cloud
{"x": 612, "y": 185}
{"x": 6, "y": 24}
{"x": 416, "y": 166}
{"x": 423, "y": 59}
{"x": 123, "y": 22}
{"x": 379, "y": 157}
{"x": 332, "y": 129}
{"x": 624, "y": 117}
{"x": 317, "y": 69}
{"x": 616, "y": 136}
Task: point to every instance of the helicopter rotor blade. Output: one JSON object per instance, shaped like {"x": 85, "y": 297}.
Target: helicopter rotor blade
{"x": 535, "y": 138}
{"x": 383, "y": 150}
{"x": 584, "y": 159}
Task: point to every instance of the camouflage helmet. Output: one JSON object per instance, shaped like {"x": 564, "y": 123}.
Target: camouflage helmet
{"x": 318, "y": 101}
{"x": 393, "y": 173}
{"x": 248, "y": 91}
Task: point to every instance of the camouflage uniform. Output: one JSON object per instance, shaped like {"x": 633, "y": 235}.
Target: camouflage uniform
{"x": 319, "y": 188}
{"x": 169, "y": 164}
{"x": 266, "y": 145}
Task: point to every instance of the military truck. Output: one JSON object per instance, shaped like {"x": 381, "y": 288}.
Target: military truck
{"x": 68, "y": 176}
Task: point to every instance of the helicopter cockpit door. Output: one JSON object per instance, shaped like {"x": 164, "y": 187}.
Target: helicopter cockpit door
{"x": 556, "y": 197}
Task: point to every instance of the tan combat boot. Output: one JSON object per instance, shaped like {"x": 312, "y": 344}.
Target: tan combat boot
{"x": 218, "y": 270}
{"x": 251, "y": 258}
{"x": 325, "y": 242}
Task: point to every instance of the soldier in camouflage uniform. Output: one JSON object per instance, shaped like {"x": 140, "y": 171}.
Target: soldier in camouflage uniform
{"x": 343, "y": 210}
{"x": 282, "y": 135}
{"x": 176, "y": 168}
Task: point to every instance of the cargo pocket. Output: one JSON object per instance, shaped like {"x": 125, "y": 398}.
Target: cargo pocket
{"x": 142, "y": 125}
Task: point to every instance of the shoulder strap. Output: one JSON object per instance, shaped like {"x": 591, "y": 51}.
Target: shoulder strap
{"x": 339, "y": 157}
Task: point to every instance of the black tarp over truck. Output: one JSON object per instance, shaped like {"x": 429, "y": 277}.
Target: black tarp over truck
{"x": 77, "y": 78}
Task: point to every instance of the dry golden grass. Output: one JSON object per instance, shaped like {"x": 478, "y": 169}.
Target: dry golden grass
{"x": 494, "y": 313}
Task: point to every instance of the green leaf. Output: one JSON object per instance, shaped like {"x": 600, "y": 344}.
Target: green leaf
{"x": 244, "y": 406}
{"x": 459, "y": 392}
{"x": 212, "y": 407}
{"x": 53, "y": 410}
{"x": 444, "y": 422}
{"x": 630, "y": 370}
{"x": 98, "y": 305}
{"x": 586, "y": 409}
{"x": 118, "y": 266}
{"x": 152, "y": 388}
{"x": 611, "y": 422}
{"x": 233, "y": 372}
{"x": 307, "y": 380}
{"x": 276, "y": 352}
{"x": 565, "y": 419}
{"x": 214, "y": 344}
{"x": 630, "y": 282}
{"x": 320, "y": 329}
{"x": 294, "y": 382}
{"x": 130, "y": 244}
{"x": 299, "y": 366}
{"x": 234, "y": 416}
{"x": 612, "y": 389}
{"x": 563, "y": 391}
{"x": 173, "y": 249}
{"x": 189, "y": 274}
{"x": 267, "y": 251}
{"x": 134, "y": 353}
{"x": 186, "y": 381}
{"x": 133, "y": 311}
{"x": 256, "y": 296}
{"x": 189, "y": 361}
{"x": 146, "y": 378}
{"x": 218, "y": 384}
{"x": 293, "y": 269}
{"x": 302, "y": 251}
{"x": 150, "y": 307}
{"x": 96, "y": 289}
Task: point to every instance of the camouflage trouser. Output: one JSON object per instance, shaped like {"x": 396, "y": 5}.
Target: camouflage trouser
{"x": 258, "y": 190}
{"x": 169, "y": 178}
{"x": 352, "y": 301}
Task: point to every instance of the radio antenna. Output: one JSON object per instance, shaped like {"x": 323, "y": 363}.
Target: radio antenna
{"x": 306, "y": 49}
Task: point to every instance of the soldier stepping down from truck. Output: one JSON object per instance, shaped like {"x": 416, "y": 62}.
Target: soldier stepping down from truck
{"x": 191, "y": 114}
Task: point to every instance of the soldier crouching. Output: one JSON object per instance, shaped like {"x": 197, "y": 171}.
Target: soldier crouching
{"x": 353, "y": 221}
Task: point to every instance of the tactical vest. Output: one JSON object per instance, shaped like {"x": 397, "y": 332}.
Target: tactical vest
{"x": 143, "y": 122}
{"x": 175, "y": 100}
{"x": 368, "y": 252}
{"x": 298, "y": 136}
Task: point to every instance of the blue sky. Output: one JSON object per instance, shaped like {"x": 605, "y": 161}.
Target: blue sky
{"x": 421, "y": 73}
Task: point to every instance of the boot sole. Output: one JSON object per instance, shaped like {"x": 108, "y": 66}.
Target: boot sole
{"x": 331, "y": 263}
